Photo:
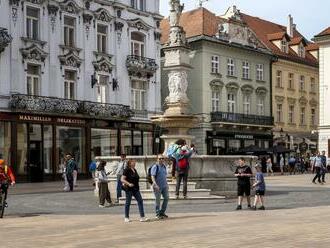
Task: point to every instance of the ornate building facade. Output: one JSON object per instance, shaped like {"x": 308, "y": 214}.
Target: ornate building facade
{"x": 79, "y": 76}
{"x": 229, "y": 83}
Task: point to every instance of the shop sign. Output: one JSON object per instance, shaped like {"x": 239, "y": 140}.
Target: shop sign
{"x": 47, "y": 119}
{"x": 34, "y": 118}
{"x": 70, "y": 121}
{"x": 242, "y": 136}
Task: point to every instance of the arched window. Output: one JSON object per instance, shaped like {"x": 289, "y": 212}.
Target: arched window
{"x": 137, "y": 44}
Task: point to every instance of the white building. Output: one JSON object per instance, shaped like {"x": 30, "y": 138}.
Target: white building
{"x": 323, "y": 40}
{"x": 78, "y": 76}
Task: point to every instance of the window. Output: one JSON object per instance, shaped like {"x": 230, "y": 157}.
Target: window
{"x": 215, "y": 64}
{"x": 279, "y": 112}
{"x": 137, "y": 44}
{"x": 291, "y": 81}
{"x": 246, "y": 104}
{"x": 138, "y": 98}
{"x": 284, "y": 46}
{"x": 302, "y": 116}
{"x": 102, "y": 39}
{"x": 102, "y": 89}
{"x": 231, "y": 103}
{"x": 69, "y": 31}
{"x": 279, "y": 79}
{"x": 230, "y": 67}
{"x": 291, "y": 114}
{"x": 32, "y": 23}
{"x": 313, "y": 117}
{"x": 301, "y": 50}
{"x": 260, "y": 72}
{"x": 302, "y": 83}
{"x": 69, "y": 85}
{"x": 246, "y": 70}
{"x": 139, "y": 4}
{"x": 261, "y": 106}
{"x": 33, "y": 80}
{"x": 313, "y": 85}
{"x": 215, "y": 101}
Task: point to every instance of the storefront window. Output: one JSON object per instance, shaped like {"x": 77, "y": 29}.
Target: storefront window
{"x": 5, "y": 141}
{"x": 104, "y": 142}
{"x": 249, "y": 143}
{"x": 70, "y": 140}
{"x": 48, "y": 147}
{"x": 137, "y": 143}
{"x": 219, "y": 146}
{"x": 234, "y": 145}
{"x": 147, "y": 143}
{"x": 21, "y": 149}
{"x": 126, "y": 142}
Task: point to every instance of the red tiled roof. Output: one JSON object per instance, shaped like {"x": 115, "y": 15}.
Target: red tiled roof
{"x": 276, "y": 36}
{"x": 324, "y": 32}
{"x": 263, "y": 28}
{"x": 297, "y": 40}
{"x": 195, "y": 22}
{"x": 312, "y": 47}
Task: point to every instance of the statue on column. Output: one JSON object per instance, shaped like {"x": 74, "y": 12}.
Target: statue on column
{"x": 177, "y": 35}
{"x": 175, "y": 12}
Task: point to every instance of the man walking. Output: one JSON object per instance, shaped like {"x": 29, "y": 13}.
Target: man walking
{"x": 317, "y": 165}
{"x": 121, "y": 166}
{"x": 160, "y": 186}
{"x": 69, "y": 168}
{"x": 243, "y": 174}
{"x": 324, "y": 166}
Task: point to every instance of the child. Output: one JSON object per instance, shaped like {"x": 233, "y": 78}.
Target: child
{"x": 102, "y": 179}
{"x": 260, "y": 187}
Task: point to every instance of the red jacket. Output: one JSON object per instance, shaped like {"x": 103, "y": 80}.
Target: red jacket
{"x": 9, "y": 176}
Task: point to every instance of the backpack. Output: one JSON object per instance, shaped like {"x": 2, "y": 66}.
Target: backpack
{"x": 171, "y": 150}
{"x": 183, "y": 164}
{"x": 149, "y": 179}
{"x": 92, "y": 166}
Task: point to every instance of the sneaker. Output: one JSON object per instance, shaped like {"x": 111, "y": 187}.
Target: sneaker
{"x": 253, "y": 208}
{"x": 164, "y": 216}
{"x": 101, "y": 206}
{"x": 144, "y": 219}
{"x": 127, "y": 220}
{"x": 262, "y": 208}
{"x": 159, "y": 217}
{"x": 239, "y": 207}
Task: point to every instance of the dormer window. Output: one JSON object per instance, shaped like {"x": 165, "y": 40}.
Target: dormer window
{"x": 284, "y": 46}
{"x": 301, "y": 50}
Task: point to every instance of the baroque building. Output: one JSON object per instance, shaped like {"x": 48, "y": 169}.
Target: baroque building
{"x": 79, "y": 77}
{"x": 229, "y": 82}
{"x": 323, "y": 41}
{"x": 295, "y": 83}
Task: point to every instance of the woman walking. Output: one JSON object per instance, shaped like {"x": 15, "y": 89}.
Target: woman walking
{"x": 130, "y": 180}
{"x": 269, "y": 166}
{"x": 102, "y": 179}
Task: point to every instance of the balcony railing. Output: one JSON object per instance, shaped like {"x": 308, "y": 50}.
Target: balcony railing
{"x": 53, "y": 105}
{"x": 141, "y": 66}
{"x": 242, "y": 118}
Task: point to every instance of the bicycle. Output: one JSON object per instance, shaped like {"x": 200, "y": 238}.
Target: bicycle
{"x": 2, "y": 201}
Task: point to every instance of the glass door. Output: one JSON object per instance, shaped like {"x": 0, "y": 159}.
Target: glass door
{"x": 35, "y": 153}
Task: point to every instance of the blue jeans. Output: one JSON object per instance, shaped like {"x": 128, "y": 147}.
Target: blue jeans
{"x": 162, "y": 192}
{"x": 138, "y": 198}
{"x": 119, "y": 187}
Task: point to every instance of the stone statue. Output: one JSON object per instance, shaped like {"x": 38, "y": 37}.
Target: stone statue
{"x": 177, "y": 85}
{"x": 175, "y": 12}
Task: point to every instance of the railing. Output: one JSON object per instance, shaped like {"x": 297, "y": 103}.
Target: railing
{"x": 241, "y": 118}
{"x": 141, "y": 66}
{"x": 53, "y": 105}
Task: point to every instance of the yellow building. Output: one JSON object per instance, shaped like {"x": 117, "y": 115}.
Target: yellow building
{"x": 295, "y": 84}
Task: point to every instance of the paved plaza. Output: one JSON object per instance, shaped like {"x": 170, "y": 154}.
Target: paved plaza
{"x": 297, "y": 215}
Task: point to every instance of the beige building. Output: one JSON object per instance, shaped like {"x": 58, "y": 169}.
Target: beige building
{"x": 295, "y": 83}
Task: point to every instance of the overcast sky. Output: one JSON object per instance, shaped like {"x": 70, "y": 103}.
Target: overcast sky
{"x": 311, "y": 16}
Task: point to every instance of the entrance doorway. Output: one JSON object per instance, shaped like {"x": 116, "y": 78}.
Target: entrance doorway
{"x": 35, "y": 154}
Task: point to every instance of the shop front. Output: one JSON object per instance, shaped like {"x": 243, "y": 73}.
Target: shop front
{"x": 35, "y": 145}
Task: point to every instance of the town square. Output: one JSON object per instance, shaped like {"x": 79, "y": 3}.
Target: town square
{"x": 160, "y": 123}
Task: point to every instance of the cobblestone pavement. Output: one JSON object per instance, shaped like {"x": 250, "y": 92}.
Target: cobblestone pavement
{"x": 297, "y": 215}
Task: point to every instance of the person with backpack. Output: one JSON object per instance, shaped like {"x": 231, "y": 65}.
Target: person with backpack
{"x": 158, "y": 173}
{"x": 6, "y": 178}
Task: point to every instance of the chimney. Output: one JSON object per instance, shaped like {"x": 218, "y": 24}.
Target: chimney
{"x": 289, "y": 28}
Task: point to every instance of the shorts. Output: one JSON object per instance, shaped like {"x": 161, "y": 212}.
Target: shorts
{"x": 243, "y": 189}
{"x": 260, "y": 192}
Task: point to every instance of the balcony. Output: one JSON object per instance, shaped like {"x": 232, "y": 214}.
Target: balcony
{"x": 242, "y": 118}
{"x": 53, "y": 105}
{"x": 141, "y": 67}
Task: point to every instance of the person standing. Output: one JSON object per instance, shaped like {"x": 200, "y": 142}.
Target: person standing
{"x": 317, "y": 165}
{"x": 102, "y": 180}
{"x": 292, "y": 165}
{"x": 69, "y": 168}
{"x": 269, "y": 166}
{"x": 243, "y": 174}
{"x": 92, "y": 169}
{"x": 121, "y": 166}
{"x": 324, "y": 166}
{"x": 282, "y": 164}
{"x": 130, "y": 182}
{"x": 160, "y": 186}
{"x": 260, "y": 187}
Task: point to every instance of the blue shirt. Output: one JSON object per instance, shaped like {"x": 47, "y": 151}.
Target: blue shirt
{"x": 161, "y": 177}
{"x": 261, "y": 181}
